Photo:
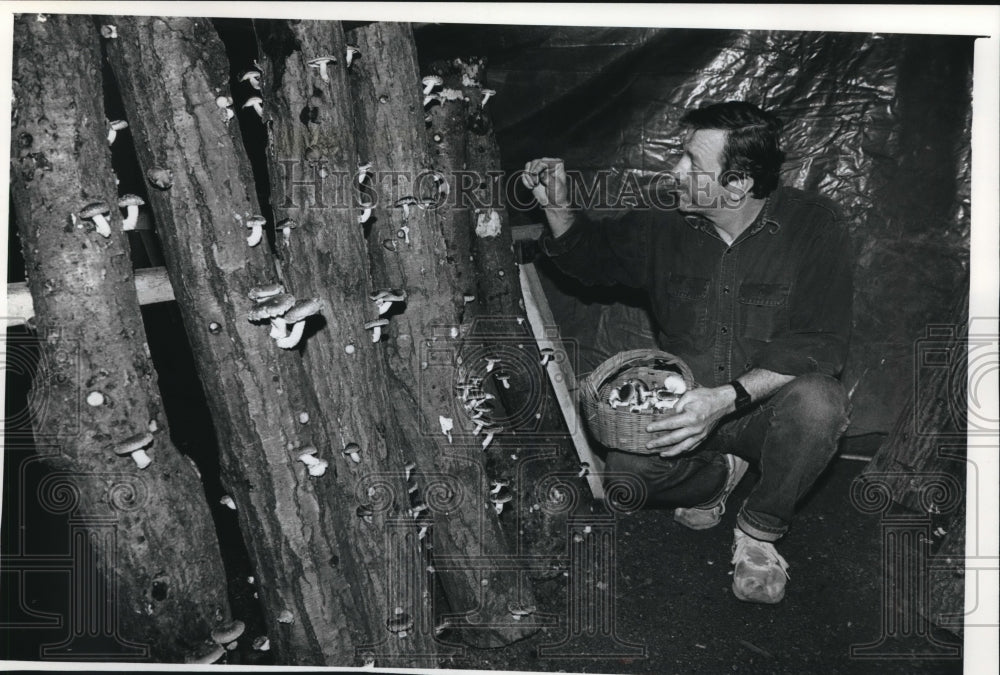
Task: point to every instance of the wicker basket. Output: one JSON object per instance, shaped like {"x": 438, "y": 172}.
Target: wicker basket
{"x": 619, "y": 428}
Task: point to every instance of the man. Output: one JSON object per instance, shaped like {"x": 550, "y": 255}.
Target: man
{"x": 751, "y": 285}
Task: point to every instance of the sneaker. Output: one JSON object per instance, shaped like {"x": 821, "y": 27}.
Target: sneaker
{"x": 704, "y": 517}
{"x": 760, "y": 573}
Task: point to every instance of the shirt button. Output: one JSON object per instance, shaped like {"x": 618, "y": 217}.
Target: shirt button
{"x": 725, "y": 289}
{"x": 721, "y": 368}
{"x": 724, "y": 330}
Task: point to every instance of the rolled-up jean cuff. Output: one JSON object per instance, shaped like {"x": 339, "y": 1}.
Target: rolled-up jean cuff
{"x": 758, "y": 530}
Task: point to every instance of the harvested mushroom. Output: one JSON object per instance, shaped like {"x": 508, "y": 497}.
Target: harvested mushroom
{"x": 322, "y": 62}
{"x": 257, "y": 103}
{"x": 297, "y": 316}
{"x": 251, "y": 76}
{"x": 160, "y": 177}
{"x": 674, "y": 383}
{"x": 376, "y": 328}
{"x": 114, "y": 127}
{"x": 228, "y": 632}
{"x": 131, "y": 204}
{"x": 134, "y": 446}
{"x": 256, "y": 226}
{"x": 97, "y": 212}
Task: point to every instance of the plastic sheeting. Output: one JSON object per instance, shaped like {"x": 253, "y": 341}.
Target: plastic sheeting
{"x": 880, "y": 123}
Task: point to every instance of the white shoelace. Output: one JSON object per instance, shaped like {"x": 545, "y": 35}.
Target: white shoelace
{"x": 744, "y": 541}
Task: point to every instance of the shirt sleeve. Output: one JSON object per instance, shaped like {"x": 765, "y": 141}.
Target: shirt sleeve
{"x": 603, "y": 253}
{"x": 820, "y": 311}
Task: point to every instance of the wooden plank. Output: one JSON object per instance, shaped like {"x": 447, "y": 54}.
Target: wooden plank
{"x": 561, "y": 374}
{"x": 151, "y": 284}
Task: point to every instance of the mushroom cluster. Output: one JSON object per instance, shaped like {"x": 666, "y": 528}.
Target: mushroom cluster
{"x": 315, "y": 466}
{"x": 282, "y": 310}
{"x": 477, "y": 403}
{"x": 635, "y": 395}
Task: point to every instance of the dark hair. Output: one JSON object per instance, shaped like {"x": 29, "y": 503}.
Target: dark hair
{"x": 753, "y": 141}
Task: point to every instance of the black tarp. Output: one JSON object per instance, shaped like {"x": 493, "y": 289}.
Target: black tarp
{"x": 878, "y": 122}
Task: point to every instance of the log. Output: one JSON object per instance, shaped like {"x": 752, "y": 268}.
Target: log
{"x": 97, "y": 386}
{"x": 171, "y": 71}
{"x": 326, "y": 257}
{"x": 390, "y": 128}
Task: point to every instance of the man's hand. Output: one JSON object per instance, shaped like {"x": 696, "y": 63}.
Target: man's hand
{"x": 695, "y": 415}
{"x": 546, "y": 178}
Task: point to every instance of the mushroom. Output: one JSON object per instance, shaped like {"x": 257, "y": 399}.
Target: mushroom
{"x": 297, "y": 316}
{"x": 131, "y": 204}
{"x": 519, "y": 610}
{"x": 431, "y": 98}
{"x": 228, "y": 632}
{"x": 431, "y": 82}
{"x": 399, "y": 623}
{"x": 352, "y": 53}
{"x": 251, "y": 76}
{"x": 257, "y": 103}
{"x": 446, "y": 426}
{"x": 674, "y": 383}
{"x": 365, "y": 215}
{"x": 389, "y": 244}
{"x": 286, "y": 226}
{"x": 498, "y": 484}
{"x": 160, "y": 177}
{"x": 364, "y": 170}
{"x": 352, "y": 450}
{"x": 664, "y": 400}
{"x": 487, "y": 94}
{"x": 225, "y": 104}
{"x": 365, "y": 512}
{"x": 376, "y": 328}
{"x": 286, "y": 616}
{"x": 109, "y": 31}
{"x": 258, "y": 293}
{"x": 256, "y": 226}
{"x": 96, "y": 211}
{"x": 205, "y": 653}
{"x": 490, "y": 432}
{"x": 261, "y": 643}
{"x": 410, "y": 466}
{"x": 406, "y": 202}
{"x": 623, "y": 396}
{"x": 467, "y": 298}
{"x": 404, "y": 233}
{"x": 504, "y": 379}
{"x": 501, "y": 497}
{"x": 114, "y": 126}
{"x": 273, "y": 308}
{"x": 584, "y": 469}
{"x": 228, "y": 502}
{"x": 133, "y": 445}
{"x": 491, "y": 363}
{"x": 321, "y": 63}
{"x": 384, "y": 299}
{"x": 547, "y": 354}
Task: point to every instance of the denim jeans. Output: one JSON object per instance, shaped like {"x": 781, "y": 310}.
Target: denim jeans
{"x": 790, "y": 436}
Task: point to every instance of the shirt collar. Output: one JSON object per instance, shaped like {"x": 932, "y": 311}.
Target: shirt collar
{"x": 767, "y": 216}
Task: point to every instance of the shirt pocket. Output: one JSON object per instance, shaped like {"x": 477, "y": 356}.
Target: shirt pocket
{"x": 763, "y": 310}
{"x": 687, "y": 303}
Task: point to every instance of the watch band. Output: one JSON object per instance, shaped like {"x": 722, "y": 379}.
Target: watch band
{"x": 743, "y": 400}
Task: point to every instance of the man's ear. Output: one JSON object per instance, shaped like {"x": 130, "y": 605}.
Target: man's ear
{"x": 738, "y": 185}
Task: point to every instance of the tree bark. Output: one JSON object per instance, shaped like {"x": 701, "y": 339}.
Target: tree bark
{"x": 408, "y": 252}
{"x": 171, "y": 71}
{"x": 464, "y": 148}
{"x": 313, "y": 163}
{"x": 98, "y": 386}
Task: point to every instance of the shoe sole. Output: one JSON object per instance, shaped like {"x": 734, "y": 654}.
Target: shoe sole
{"x": 739, "y": 470}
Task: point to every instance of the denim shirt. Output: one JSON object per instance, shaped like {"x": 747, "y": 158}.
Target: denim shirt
{"x": 778, "y": 298}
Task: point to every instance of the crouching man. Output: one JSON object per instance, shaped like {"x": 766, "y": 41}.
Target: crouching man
{"x": 750, "y": 283}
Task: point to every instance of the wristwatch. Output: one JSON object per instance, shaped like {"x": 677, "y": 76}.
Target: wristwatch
{"x": 742, "y": 397}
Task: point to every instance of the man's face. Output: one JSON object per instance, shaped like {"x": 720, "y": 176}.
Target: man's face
{"x": 698, "y": 172}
